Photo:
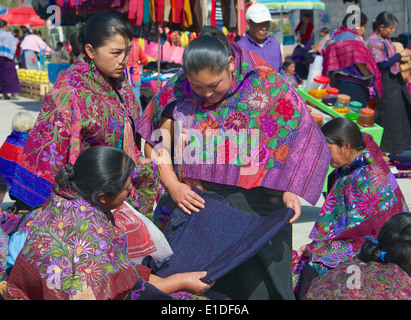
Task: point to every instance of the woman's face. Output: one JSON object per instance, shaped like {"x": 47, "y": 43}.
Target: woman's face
{"x": 361, "y": 30}
{"x": 108, "y": 203}
{"x": 386, "y": 32}
{"x": 111, "y": 58}
{"x": 210, "y": 85}
{"x": 340, "y": 156}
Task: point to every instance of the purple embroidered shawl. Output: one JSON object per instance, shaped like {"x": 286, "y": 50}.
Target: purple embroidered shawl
{"x": 260, "y": 134}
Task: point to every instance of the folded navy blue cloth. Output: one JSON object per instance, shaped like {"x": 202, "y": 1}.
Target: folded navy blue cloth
{"x": 218, "y": 238}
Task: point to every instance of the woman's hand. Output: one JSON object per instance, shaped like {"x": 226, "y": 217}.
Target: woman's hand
{"x": 186, "y": 199}
{"x": 187, "y": 281}
{"x": 143, "y": 160}
{"x": 405, "y": 53}
{"x": 190, "y": 281}
{"x": 302, "y": 251}
{"x": 292, "y": 201}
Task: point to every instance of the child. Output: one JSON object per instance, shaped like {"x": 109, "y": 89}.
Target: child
{"x": 290, "y": 76}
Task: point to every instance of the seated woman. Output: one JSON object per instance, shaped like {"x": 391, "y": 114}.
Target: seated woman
{"x": 363, "y": 197}
{"x": 381, "y": 271}
{"x": 76, "y": 249}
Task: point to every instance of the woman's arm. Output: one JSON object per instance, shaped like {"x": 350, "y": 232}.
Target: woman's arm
{"x": 186, "y": 199}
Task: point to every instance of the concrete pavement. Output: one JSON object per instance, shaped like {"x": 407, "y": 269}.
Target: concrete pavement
{"x": 301, "y": 228}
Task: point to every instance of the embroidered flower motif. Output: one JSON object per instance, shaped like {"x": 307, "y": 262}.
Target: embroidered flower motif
{"x": 53, "y": 157}
{"x": 55, "y": 271}
{"x": 268, "y": 125}
{"x": 259, "y": 157}
{"x": 208, "y": 127}
{"x": 285, "y": 108}
{"x": 236, "y": 121}
{"x": 91, "y": 272}
{"x": 80, "y": 247}
{"x": 367, "y": 203}
{"x": 378, "y": 177}
{"x": 59, "y": 224}
{"x": 258, "y": 100}
{"x": 282, "y": 153}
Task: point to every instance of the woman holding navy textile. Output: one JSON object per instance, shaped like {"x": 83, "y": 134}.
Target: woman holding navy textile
{"x": 242, "y": 132}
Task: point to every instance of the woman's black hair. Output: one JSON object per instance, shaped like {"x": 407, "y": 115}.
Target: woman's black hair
{"x": 3, "y": 186}
{"x": 3, "y": 23}
{"x": 393, "y": 243}
{"x": 341, "y": 131}
{"x": 386, "y": 19}
{"x": 99, "y": 169}
{"x": 210, "y": 51}
{"x": 325, "y": 30}
{"x": 363, "y": 19}
{"x": 100, "y": 28}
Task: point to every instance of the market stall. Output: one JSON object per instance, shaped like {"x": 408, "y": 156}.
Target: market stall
{"x": 323, "y": 112}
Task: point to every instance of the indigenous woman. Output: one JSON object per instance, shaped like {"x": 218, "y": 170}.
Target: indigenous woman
{"x": 9, "y": 82}
{"x": 241, "y": 131}
{"x": 90, "y": 104}
{"x": 391, "y": 108}
{"x": 382, "y": 269}
{"x": 349, "y": 63}
{"x": 10, "y": 155}
{"x": 363, "y": 197}
{"x": 77, "y": 248}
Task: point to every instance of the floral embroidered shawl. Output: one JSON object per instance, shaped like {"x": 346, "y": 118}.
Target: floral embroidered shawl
{"x": 376, "y": 44}
{"x": 364, "y": 196}
{"x": 73, "y": 251}
{"x": 260, "y": 134}
{"x": 82, "y": 110}
{"x": 375, "y": 281}
{"x": 4, "y": 250}
{"x": 345, "y": 48}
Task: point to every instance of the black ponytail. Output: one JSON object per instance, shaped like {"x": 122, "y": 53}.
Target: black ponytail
{"x": 393, "y": 243}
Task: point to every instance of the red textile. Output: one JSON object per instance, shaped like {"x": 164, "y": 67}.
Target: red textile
{"x": 341, "y": 54}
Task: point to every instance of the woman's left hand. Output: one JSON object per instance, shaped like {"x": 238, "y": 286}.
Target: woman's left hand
{"x": 292, "y": 201}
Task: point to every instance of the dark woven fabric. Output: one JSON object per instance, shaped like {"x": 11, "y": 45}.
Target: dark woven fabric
{"x": 218, "y": 238}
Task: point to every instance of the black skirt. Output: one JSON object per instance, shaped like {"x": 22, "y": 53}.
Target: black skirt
{"x": 393, "y": 113}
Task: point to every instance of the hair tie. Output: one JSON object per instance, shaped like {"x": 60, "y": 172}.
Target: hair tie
{"x": 382, "y": 255}
{"x": 373, "y": 240}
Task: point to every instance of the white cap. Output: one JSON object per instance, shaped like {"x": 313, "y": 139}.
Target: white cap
{"x": 258, "y": 13}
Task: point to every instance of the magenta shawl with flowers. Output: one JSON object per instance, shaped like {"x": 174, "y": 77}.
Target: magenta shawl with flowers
{"x": 346, "y": 48}
{"x": 260, "y": 134}
{"x": 82, "y": 110}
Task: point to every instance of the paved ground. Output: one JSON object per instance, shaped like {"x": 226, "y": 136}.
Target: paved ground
{"x": 301, "y": 228}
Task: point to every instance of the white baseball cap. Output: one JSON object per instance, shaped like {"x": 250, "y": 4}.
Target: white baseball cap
{"x": 258, "y": 13}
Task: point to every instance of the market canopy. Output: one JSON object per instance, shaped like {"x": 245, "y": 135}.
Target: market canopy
{"x": 288, "y": 5}
{"x": 3, "y": 9}
{"x": 22, "y": 16}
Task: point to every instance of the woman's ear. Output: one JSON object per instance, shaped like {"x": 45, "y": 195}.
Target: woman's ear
{"x": 101, "y": 198}
{"x": 90, "y": 51}
{"x": 231, "y": 66}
